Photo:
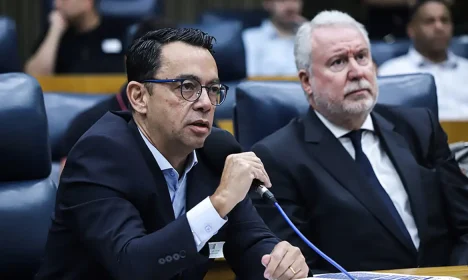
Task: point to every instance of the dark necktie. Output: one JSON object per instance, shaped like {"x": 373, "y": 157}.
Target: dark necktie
{"x": 365, "y": 165}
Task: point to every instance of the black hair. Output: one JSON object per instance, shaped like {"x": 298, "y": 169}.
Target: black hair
{"x": 144, "y": 55}
{"x": 144, "y": 26}
{"x": 415, "y": 8}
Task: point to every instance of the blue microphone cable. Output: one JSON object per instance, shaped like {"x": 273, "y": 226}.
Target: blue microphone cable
{"x": 267, "y": 195}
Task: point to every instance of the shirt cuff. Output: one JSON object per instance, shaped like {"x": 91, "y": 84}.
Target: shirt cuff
{"x": 204, "y": 222}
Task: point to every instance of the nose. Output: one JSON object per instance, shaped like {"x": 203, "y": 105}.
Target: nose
{"x": 439, "y": 25}
{"x": 203, "y": 103}
{"x": 356, "y": 71}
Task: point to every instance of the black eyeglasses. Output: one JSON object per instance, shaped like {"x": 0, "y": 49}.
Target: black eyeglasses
{"x": 191, "y": 90}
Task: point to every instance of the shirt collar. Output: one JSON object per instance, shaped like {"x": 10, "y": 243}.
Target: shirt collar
{"x": 421, "y": 61}
{"x": 339, "y": 131}
{"x": 269, "y": 29}
{"x": 162, "y": 161}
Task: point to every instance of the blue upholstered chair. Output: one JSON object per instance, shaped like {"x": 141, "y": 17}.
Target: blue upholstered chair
{"x": 61, "y": 109}
{"x": 229, "y": 50}
{"x": 264, "y": 107}
{"x": 27, "y": 195}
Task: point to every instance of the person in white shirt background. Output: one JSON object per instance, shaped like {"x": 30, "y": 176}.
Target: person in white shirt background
{"x": 431, "y": 30}
{"x": 269, "y": 48}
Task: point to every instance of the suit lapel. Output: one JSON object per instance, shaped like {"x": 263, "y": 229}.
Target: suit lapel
{"x": 330, "y": 153}
{"x": 406, "y": 166}
{"x": 160, "y": 191}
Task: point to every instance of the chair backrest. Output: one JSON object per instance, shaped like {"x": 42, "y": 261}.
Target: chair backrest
{"x": 228, "y": 49}
{"x": 383, "y": 51}
{"x": 264, "y": 107}
{"x": 62, "y": 108}
{"x": 9, "y": 57}
{"x": 27, "y": 195}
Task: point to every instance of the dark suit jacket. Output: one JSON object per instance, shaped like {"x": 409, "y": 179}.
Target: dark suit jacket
{"x": 114, "y": 219}
{"x": 317, "y": 183}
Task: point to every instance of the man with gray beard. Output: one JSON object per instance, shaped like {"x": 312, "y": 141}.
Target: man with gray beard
{"x": 374, "y": 187}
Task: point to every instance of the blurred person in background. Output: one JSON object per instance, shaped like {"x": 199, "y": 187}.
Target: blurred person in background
{"x": 431, "y": 30}
{"x": 78, "y": 40}
{"x": 389, "y": 17}
{"x": 269, "y": 48}
{"x": 118, "y": 102}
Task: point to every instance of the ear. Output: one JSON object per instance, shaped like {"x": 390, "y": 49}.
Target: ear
{"x": 138, "y": 97}
{"x": 306, "y": 82}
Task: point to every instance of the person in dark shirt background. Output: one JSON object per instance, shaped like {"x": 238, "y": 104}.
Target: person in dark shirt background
{"x": 118, "y": 102}
{"x": 78, "y": 37}
{"x": 389, "y": 17}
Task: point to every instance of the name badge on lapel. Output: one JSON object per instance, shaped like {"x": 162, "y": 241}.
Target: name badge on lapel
{"x": 216, "y": 250}
{"x": 111, "y": 46}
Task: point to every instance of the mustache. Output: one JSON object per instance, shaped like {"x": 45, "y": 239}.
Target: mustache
{"x": 357, "y": 85}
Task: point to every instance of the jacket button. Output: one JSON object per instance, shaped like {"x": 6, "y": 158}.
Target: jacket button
{"x": 161, "y": 261}
{"x": 176, "y": 257}
{"x": 168, "y": 258}
{"x": 182, "y": 254}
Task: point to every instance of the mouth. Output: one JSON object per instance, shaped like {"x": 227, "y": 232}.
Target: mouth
{"x": 200, "y": 126}
{"x": 201, "y": 123}
{"x": 357, "y": 92}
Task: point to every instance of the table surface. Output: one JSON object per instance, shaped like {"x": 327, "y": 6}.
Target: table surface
{"x": 460, "y": 272}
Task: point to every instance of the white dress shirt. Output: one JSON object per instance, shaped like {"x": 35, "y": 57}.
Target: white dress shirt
{"x": 268, "y": 54}
{"x": 450, "y": 77}
{"x": 383, "y": 168}
{"x": 203, "y": 218}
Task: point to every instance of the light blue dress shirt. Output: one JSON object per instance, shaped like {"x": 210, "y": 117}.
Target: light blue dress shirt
{"x": 268, "y": 54}
{"x": 203, "y": 219}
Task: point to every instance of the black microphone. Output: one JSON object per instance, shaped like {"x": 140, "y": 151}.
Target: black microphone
{"x": 218, "y": 146}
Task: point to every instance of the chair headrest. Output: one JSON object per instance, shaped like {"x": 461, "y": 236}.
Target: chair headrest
{"x": 264, "y": 107}
{"x": 411, "y": 90}
{"x": 228, "y": 49}
{"x": 25, "y": 151}
{"x": 274, "y": 104}
{"x": 9, "y": 57}
{"x": 383, "y": 51}
{"x": 62, "y": 109}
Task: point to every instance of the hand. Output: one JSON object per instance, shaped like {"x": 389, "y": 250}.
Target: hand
{"x": 57, "y": 21}
{"x": 239, "y": 172}
{"x": 285, "y": 262}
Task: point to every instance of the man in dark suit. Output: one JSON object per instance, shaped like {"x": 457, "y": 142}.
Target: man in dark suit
{"x": 374, "y": 187}
{"x": 137, "y": 199}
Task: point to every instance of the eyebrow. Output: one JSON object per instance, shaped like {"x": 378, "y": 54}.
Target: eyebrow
{"x": 194, "y": 77}
{"x": 339, "y": 52}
